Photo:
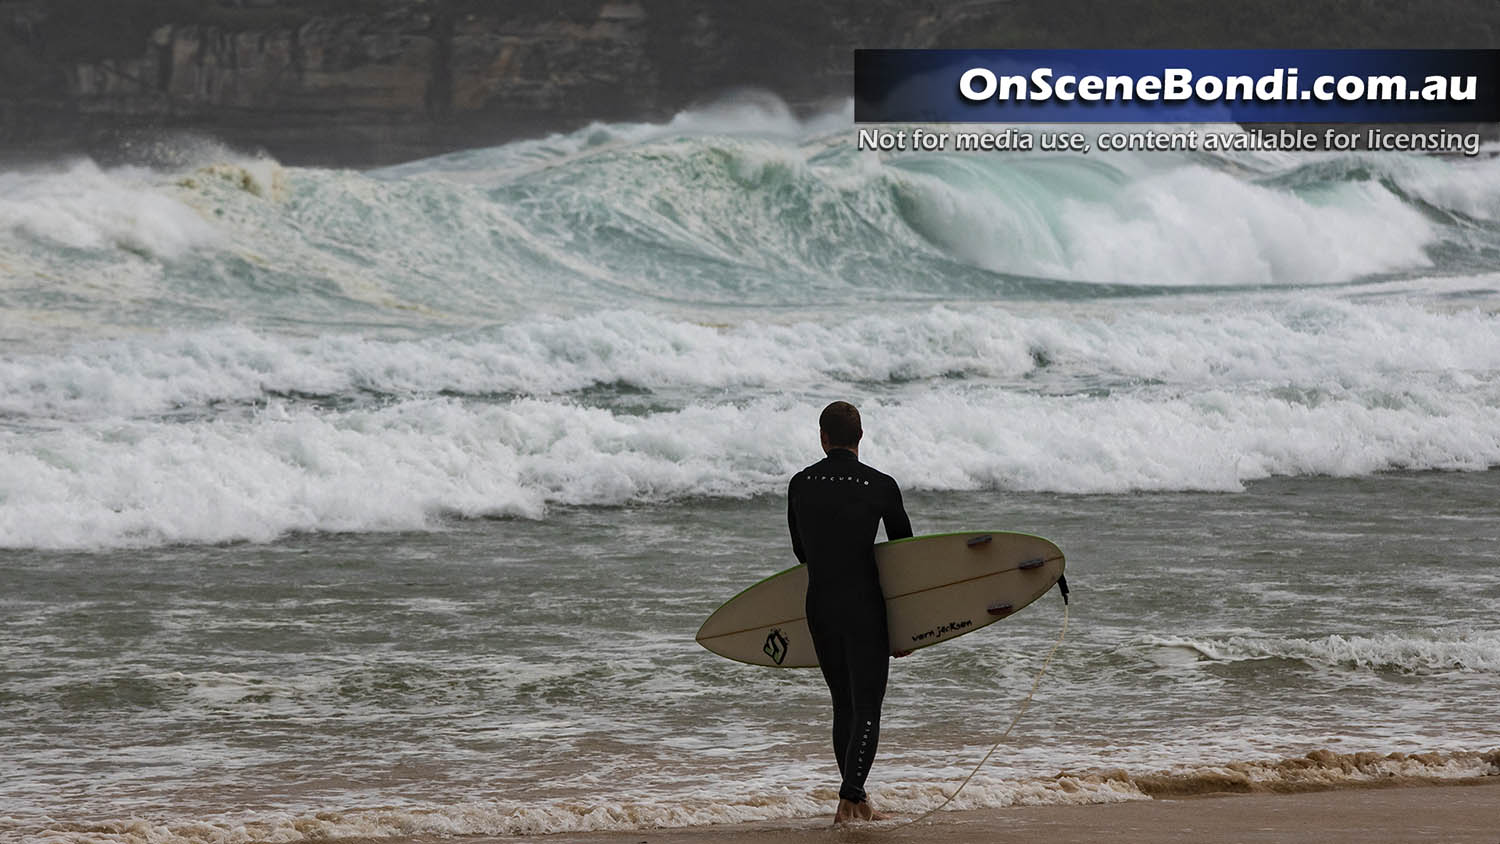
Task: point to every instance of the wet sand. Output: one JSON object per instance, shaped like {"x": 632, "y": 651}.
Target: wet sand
{"x": 1445, "y": 814}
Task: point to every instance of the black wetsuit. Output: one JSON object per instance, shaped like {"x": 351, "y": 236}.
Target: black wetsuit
{"x": 833, "y": 509}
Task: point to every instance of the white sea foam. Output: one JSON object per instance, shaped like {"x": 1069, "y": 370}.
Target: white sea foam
{"x": 127, "y": 442}
{"x": 1320, "y": 346}
{"x": 85, "y": 207}
{"x": 1318, "y": 770}
{"x": 1172, "y": 230}
{"x": 290, "y": 469}
{"x": 1407, "y": 653}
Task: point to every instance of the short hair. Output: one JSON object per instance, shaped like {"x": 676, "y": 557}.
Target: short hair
{"x": 840, "y": 422}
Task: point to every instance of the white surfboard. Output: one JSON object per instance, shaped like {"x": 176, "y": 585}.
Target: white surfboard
{"x": 936, "y": 588}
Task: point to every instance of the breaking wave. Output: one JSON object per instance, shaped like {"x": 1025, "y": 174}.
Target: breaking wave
{"x": 641, "y": 313}
{"x": 1402, "y": 653}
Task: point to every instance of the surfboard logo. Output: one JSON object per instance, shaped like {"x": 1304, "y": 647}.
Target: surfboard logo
{"x": 775, "y": 646}
{"x": 945, "y": 629}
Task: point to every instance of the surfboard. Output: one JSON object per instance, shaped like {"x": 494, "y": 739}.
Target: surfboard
{"x": 937, "y": 588}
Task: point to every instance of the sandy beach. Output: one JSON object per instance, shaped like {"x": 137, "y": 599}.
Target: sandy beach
{"x": 1451, "y": 814}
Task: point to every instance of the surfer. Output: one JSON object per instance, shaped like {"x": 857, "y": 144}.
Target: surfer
{"x": 833, "y": 509}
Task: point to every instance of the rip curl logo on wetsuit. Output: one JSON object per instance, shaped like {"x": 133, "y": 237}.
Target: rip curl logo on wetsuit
{"x": 775, "y": 647}
{"x": 849, "y": 478}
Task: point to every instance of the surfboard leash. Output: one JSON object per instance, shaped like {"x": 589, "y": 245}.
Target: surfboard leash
{"x": 1022, "y": 711}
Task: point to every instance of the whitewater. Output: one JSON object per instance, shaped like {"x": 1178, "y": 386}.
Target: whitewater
{"x": 642, "y": 295}
{"x": 385, "y": 503}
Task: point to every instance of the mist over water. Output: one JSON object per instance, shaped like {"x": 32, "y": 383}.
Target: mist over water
{"x": 298, "y": 466}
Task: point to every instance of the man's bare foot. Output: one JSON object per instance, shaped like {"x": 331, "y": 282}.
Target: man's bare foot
{"x": 844, "y": 813}
{"x": 849, "y": 811}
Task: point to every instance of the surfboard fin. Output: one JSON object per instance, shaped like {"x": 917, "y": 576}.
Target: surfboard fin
{"x": 1062, "y": 586}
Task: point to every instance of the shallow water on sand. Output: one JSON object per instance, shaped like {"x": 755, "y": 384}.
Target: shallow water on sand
{"x": 511, "y": 675}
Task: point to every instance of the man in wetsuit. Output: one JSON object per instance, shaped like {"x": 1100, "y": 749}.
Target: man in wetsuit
{"x": 833, "y": 509}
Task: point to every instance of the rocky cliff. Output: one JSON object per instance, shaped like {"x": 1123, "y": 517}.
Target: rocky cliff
{"x": 363, "y": 81}
{"x": 385, "y": 80}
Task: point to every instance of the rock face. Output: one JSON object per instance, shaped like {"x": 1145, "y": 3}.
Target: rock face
{"x": 312, "y": 80}
{"x": 367, "y": 81}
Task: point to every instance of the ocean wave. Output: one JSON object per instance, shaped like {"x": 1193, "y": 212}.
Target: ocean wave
{"x": 285, "y": 469}
{"x": 1321, "y": 770}
{"x": 1189, "y": 225}
{"x": 1403, "y": 653}
{"x": 1321, "y": 347}
{"x": 83, "y": 207}
{"x": 712, "y": 209}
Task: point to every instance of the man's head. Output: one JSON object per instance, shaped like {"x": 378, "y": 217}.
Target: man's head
{"x": 839, "y": 427}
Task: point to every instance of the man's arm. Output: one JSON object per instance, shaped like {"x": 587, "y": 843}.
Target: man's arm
{"x": 897, "y": 525}
{"x": 791, "y": 524}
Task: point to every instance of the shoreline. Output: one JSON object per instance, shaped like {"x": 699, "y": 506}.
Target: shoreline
{"x": 1451, "y": 813}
